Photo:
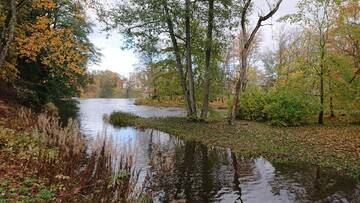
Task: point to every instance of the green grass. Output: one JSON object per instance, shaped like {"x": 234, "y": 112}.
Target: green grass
{"x": 336, "y": 147}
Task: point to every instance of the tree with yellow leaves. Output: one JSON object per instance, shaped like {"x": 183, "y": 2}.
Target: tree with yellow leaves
{"x": 49, "y": 49}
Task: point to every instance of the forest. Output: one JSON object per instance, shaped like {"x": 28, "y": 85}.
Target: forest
{"x": 236, "y": 74}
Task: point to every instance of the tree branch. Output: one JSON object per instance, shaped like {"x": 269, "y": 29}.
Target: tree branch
{"x": 260, "y": 20}
{"x": 141, "y": 25}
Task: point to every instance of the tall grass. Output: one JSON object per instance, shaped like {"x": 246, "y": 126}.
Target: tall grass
{"x": 61, "y": 155}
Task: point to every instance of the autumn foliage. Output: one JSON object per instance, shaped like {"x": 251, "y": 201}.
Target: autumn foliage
{"x": 50, "y": 47}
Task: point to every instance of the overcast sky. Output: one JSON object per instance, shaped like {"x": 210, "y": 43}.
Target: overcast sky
{"x": 124, "y": 61}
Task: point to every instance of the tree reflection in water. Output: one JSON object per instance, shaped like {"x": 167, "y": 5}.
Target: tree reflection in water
{"x": 236, "y": 176}
{"x": 192, "y": 172}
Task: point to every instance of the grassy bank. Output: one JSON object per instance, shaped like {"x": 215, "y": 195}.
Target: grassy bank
{"x": 337, "y": 147}
{"x": 175, "y": 103}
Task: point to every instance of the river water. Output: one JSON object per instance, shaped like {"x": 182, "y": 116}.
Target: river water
{"x": 179, "y": 171}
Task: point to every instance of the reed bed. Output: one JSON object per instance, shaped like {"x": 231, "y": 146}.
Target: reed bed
{"x": 60, "y": 156}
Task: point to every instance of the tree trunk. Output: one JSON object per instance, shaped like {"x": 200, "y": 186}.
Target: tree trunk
{"x": 321, "y": 113}
{"x": 189, "y": 60}
{"x": 11, "y": 32}
{"x": 332, "y": 112}
{"x": 331, "y": 102}
{"x": 206, "y": 88}
{"x": 240, "y": 85}
{"x": 356, "y": 59}
{"x": 322, "y": 67}
{"x": 179, "y": 65}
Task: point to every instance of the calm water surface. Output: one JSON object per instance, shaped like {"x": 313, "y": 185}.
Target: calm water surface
{"x": 191, "y": 172}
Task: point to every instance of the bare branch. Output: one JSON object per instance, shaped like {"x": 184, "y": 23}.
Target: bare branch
{"x": 142, "y": 25}
{"x": 243, "y": 15}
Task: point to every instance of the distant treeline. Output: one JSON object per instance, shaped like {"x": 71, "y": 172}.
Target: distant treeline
{"x": 108, "y": 84}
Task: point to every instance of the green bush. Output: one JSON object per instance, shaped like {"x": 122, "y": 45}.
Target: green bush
{"x": 122, "y": 119}
{"x": 288, "y": 108}
{"x": 251, "y": 105}
{"x": 282, "y": 108}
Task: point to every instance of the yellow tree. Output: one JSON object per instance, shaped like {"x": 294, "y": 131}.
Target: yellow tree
{"x": 347, "y": 33}
{"x": 50, "y": 38}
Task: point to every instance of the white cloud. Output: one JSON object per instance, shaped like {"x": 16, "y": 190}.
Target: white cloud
{"x": 114, "y": 58}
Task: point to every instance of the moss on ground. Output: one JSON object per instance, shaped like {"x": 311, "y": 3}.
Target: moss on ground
{"x": 336, "y": 147}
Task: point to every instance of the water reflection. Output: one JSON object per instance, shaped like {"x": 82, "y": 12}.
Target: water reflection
{"x": 195, "y": 173}
{"x": 192, "y": 172}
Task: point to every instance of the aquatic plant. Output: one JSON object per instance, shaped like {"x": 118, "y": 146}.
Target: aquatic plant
{"x": 122, "y": 119}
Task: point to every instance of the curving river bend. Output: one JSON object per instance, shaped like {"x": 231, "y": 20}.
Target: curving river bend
{"x": 192, "y": 172}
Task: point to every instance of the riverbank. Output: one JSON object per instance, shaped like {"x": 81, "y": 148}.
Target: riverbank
{"x": 335, "y": 147}
{"x": 176, "y": 103}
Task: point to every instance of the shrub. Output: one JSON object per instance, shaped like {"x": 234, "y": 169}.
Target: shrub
{"x": 122, "y": 119}
{"x": 251, "y": 105}
{"x": 282, "y": 108}
{"x": 288, "y": 108}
